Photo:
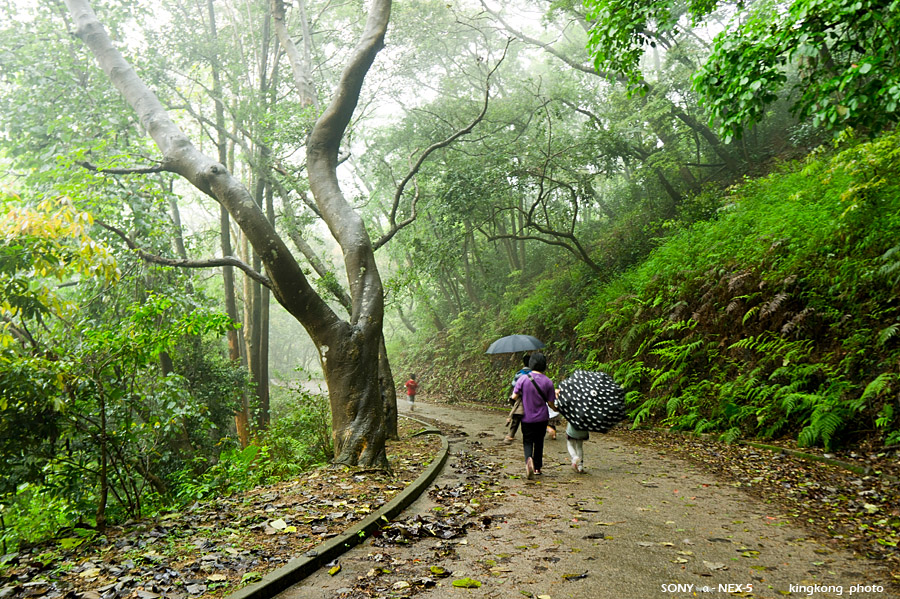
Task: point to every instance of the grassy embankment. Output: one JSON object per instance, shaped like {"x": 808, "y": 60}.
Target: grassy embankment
{"x": 777, "y": 317}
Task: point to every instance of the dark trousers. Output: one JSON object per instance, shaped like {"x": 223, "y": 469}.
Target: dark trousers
{"x": 533, "y": 442}
{"x": 515, "y": 419}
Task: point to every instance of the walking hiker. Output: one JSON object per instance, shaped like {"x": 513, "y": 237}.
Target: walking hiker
{"x": 411, "y": 386}
{"x": 536, "y": 391}
{"x": 575, "y": 439}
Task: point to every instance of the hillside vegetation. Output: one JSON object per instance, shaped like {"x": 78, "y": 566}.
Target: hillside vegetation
{"x": 775, "y": 316}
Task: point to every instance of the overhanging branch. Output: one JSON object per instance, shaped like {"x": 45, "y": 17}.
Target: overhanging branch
{"x": 414, "y": 169}
{"x": 182, "y": 263}
{"x": 137, "y": 170}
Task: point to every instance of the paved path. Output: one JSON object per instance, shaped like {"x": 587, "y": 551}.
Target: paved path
{"x": 636, "y": 525}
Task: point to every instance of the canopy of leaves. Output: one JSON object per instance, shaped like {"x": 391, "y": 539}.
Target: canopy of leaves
{"x": 838, "y": 57}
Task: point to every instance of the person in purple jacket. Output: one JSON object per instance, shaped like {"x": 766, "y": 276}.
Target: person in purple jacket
{"x": 537, "y": 392}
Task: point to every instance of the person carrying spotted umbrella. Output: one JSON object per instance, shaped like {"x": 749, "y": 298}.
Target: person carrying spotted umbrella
{"x": 537, "y": 393}
{"x": 575, "y": 439}
{"x": 590, "y": 401}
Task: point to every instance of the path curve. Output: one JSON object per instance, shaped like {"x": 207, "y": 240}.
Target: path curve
{"x": 637, "y": 525}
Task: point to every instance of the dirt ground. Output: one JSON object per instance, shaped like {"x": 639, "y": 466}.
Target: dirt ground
{"x": 637, "y": 524}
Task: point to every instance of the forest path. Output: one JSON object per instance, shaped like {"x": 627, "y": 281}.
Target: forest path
{"x": 637, "y": 524}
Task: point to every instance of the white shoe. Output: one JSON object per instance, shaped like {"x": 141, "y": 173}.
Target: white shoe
{"x": 576, "y": 466}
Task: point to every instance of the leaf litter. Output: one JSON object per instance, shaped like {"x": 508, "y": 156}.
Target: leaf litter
{"x": 458, "y": 509}
{"x": 212, "y": 548}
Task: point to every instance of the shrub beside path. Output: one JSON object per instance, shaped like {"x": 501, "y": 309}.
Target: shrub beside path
{"x": 637, "y": 524}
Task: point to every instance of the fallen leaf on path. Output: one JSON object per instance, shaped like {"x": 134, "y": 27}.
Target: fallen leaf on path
{"x": 439, "y": 572}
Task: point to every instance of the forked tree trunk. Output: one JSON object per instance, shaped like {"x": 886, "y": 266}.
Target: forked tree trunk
{"x": 349, "y": 349}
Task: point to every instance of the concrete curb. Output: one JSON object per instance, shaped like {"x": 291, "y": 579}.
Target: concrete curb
{"x": 299, "y": 568}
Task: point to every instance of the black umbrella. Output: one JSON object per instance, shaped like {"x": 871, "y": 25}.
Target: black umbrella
{"x": 514, "y": 343}
{"x": 591, "y": 401}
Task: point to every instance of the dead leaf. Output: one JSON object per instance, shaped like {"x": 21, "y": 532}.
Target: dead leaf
{"x": 90, "y": 573}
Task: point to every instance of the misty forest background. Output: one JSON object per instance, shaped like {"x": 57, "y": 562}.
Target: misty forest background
{"x": 701, "y": 200}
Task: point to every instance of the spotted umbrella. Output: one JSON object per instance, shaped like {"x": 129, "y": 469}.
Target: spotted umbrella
{"x": 591, "y": 401}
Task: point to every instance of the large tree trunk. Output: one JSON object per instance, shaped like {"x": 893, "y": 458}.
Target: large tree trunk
{"x": 350, "y": 365}
{"x": 349, "y": 349}
{"x": 352, "y": 371}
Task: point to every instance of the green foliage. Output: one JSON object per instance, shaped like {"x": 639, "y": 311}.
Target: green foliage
{"x": 233, "y": 471}
{"x": 32, "y": 515}
{"x": 84, "y": 408}
{"x": 774, "y": 317}
{"x": 839, "y": 56}
{"x": 620, "y": 32}
{"x": 294, "y": 443}
{"x": 301, "y": 438}
{"x": 41, "y": 247}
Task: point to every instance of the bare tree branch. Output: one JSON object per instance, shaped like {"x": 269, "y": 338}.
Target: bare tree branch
{"x": 300, "y": 65}
{"x": 325, "y": 274}
{"x": 138, "y": 170}
{"x": 708, "y": 134}
{"x": 414, "y": 169}
{"x": 183, "y": 263}
{"x": 546, "y": 47}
